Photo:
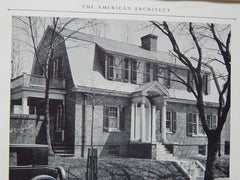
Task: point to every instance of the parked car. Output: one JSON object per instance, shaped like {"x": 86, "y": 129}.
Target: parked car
{"x": 30, "y": 162}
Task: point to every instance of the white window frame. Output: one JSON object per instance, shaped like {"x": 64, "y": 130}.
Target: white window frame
{"x": 197, "y": 125}
{"x": 170, "y": 118}
{"x": 210, "y": 124}
{"x": 109, "y": 116}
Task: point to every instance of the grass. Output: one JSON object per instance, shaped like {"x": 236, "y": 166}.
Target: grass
{"x": 221, "y": 166}
{"x": 134, "y": 169}
{"x": 120, "y": 168}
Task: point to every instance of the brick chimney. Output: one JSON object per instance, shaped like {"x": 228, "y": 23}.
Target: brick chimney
{"x": 149, "y": 42}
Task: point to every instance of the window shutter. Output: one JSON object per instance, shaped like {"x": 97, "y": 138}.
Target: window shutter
{"x": 167, "y": 77}
{"x": 122, "y": 113}
{"x": 105, "y": 118}
{"x": 204, "y": 80}
{"x": 189, "y": 124}
{"x": 190, "y": 80}
{"x": 155, "y": 72}
{"x": 125, "y": 71}
{"x": 110, "y": 67}
{"x": 208, "y": 84}
{"x": 50, "y": 68}
{"x": 214, "y": 121}
{"x": 208, "y": 120}
{"x": 174, "y": 123}
{"x": 60, "y": 67}
{"x": 134, "y": 71}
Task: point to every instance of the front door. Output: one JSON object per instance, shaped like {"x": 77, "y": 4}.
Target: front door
{"x": 59, "y": 124}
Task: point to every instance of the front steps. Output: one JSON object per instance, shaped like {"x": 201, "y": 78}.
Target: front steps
{"x": 63, "y": 150}
{"x": 193, "y": 168}
{"x": 163, "y": 154}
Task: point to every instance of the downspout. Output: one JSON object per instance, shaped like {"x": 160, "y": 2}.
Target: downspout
{"x": 84, "y": 114}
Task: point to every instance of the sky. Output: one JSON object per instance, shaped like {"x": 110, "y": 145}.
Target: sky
{"x": 120, "y": 30}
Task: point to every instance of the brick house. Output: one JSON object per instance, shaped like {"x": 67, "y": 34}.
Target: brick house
{"x": 139, "y": 110}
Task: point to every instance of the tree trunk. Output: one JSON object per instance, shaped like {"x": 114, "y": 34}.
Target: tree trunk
{"x": 47, "y": 117}
{"x": 213, "y": 141}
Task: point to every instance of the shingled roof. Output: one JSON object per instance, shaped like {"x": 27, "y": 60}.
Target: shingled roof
{"x": 81, "y": 49}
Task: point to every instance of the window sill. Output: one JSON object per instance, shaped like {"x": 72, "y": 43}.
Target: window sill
{"x": 199, "y": 135}
{"x": 112, "y": 130}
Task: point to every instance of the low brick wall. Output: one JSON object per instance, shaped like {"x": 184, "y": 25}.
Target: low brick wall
{"x": 24, "y": 128}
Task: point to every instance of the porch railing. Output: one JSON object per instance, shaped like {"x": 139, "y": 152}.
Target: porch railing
{"x": 30, "y": 80}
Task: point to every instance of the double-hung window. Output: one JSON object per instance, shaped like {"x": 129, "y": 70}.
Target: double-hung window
{"x": 192, "y": 124}
{"x": 134, "y": 71}
{"x": 111, "y": 118}
{"x": 110, "y": 69}
{"x": 126, "y": 70}
{"x": 211, "y": 120}
{"x": 148, "y": 72}
{"x": 60, "y": 118}
{"x": 171, "y": 121}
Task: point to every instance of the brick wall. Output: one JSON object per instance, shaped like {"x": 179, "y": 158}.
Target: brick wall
{"x": 24, "y": 129}
{"x": 105, "y": 141}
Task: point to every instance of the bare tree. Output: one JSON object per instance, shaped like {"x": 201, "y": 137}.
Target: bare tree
{"x": 199, "y": 35}
{"x": 33, "y": 28}
{"x": 16, "y": 61}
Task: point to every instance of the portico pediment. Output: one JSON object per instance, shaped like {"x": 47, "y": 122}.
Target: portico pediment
{"x": 153, "y": 88}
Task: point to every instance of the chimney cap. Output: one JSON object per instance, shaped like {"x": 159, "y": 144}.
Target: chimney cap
{"x": 150, "y": 36}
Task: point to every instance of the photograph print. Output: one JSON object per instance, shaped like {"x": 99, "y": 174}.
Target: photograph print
{"x": 123, "y": 99}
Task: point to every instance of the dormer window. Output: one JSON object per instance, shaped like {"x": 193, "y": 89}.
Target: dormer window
{"x": 168, "y": 77}
{"x": 134, "y": 72}
{"x": 110, "y": 67}
{"x": 56, "y": 68}
{"x": 148, "y": 72}
{"x": 126, "y": 70}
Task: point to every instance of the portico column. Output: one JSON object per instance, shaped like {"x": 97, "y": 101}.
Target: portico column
{"x": 142, "y": 127}
{"x": 149, "y": 110}
{"x": 153, "y": 123}
{"x": 24, "y": 105}
{"x": 132, "y": 121}
{"x": 163, "y": 118}
{"x": 136, "y": 123}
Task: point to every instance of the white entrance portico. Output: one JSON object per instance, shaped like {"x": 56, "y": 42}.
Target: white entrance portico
{"x": 145, "y": 101}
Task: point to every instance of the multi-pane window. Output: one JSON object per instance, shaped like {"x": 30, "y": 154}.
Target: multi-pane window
{"x": 171, "y": 121}
{"x": 126, "y": 69}
{"x": 59, "y": 118}
{"x": 134, "y": 71}
{"x": 110, "y": 67}
{"x": 167, "y": 77}
{"x": 227, "y": 148}
{"x": 111, "y": 119}
{"x": 148, "y": 72}
{"x": 192, "y": 124}
{"x": 202, "y": 150}
{"x": 211, "y": 120}
{"x": 200, "y": 127}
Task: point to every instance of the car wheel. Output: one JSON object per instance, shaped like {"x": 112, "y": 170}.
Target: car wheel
{"x": 43, "y": 177}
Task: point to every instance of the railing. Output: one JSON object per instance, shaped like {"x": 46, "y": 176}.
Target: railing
{"x": 193, "y": 168}
{"x": 27, "y": 80}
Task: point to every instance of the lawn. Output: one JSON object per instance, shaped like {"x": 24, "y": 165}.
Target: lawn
{"x": 221, "y": 166}
{"x": 121, "y": 168}
{"x": 134, "y": 169}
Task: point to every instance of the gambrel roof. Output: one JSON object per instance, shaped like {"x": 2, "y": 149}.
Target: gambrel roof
{"x": 82, "y": 48}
